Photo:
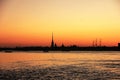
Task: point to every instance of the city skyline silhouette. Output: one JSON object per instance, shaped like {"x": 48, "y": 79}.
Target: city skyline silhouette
{"x": 53, "y": 47}
{"x": 59, "y": 40}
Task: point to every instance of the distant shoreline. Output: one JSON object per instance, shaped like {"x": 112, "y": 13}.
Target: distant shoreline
{"x": 57, "y": 49}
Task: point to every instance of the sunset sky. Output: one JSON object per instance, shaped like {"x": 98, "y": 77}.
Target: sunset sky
{"x": 79, "y": 22}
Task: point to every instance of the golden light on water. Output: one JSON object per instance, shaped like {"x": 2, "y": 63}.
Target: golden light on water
{"x": 56, "y": 57}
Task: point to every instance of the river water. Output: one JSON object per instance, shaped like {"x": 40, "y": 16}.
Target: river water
{"x": 83, "y": 65}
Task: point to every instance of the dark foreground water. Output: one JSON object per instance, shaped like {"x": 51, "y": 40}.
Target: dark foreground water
{"x": 60, "y": 66}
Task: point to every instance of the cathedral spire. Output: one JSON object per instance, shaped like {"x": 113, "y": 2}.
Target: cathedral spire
{"x": 52, "y": 38}
{"x": 52, "y": 42}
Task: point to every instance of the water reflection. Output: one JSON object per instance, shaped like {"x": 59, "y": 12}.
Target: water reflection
{"x": 60, "y": 66}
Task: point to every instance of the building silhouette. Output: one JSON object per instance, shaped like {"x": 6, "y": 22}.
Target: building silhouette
{"x": 100, "y": 43}
{"x": 97, "y": 43}
{"x": 119, "y": 45}
{"x": 52, "y": 42}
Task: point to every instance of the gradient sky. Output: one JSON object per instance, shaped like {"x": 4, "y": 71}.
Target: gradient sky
{"x": 31, "y": 22}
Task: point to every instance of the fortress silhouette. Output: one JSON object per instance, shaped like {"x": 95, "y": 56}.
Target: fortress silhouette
{"x": 54, "y": 47}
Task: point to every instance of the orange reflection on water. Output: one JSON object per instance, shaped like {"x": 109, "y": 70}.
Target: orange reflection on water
{"x": 27, "y": 59}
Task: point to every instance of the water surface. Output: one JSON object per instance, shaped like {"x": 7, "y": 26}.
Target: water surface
{"x": 60, "y": 65}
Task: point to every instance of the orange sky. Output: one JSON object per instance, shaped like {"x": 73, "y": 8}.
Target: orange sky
{"x": 31, "y": 22}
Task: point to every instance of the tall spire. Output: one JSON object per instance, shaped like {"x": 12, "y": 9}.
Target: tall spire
{"x": 52, "y": 42}
{"x": 93, "y": 44}
{"x": 52, "y": 37}
{"x": 100, "y": 42}
{"x": 96, "y": 43}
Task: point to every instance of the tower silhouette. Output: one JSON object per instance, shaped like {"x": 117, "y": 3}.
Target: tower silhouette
{"x": 96, "y": 43}
{"x": 93, "y": 44}
{"x": 100, "y": 42}
{"x": 52, "y": 42}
